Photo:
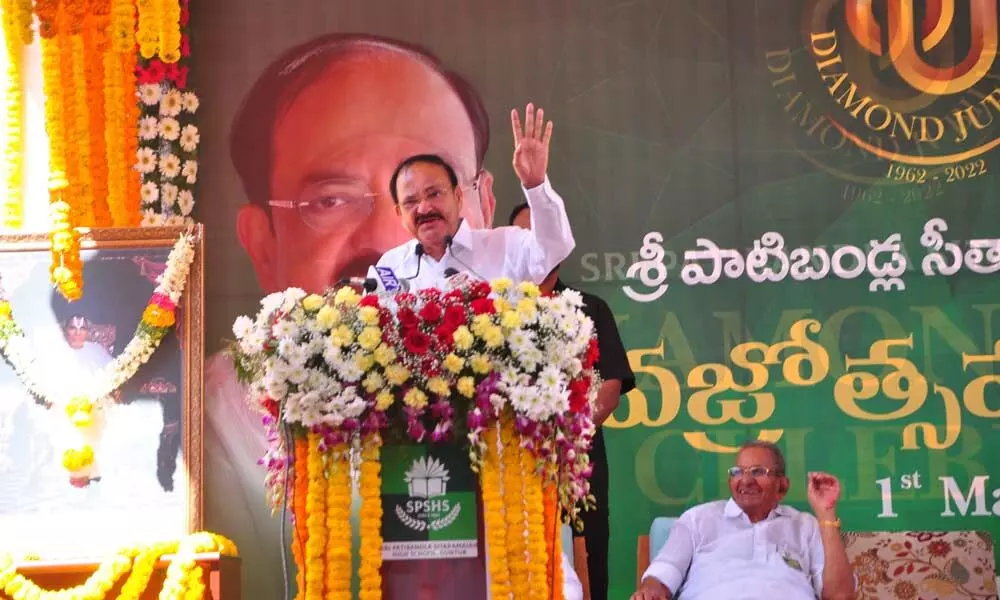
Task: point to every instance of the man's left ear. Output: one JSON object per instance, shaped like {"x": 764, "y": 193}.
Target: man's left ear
{"x": 487, "y": 201}
{"x": 783, "y": 485}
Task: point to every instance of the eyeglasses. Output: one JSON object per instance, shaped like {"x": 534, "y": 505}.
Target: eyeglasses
{"x": 435, "y": 194}
{"x": 328, "y": 205}
{"x": 755, "y": 471}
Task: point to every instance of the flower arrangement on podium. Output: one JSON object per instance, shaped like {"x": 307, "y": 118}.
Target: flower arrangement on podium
{"x": 498, "y": 365}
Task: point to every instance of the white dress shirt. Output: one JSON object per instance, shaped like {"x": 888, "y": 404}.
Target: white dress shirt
{"x": 714, "y": 551}
{"x": 520, "y": 254}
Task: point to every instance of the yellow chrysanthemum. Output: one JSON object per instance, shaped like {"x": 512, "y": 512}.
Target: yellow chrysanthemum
{"x": 312, "y": 302}
{"x": 372, "y": 382}
{"x": 368, "y": 315}
{"x": 466, "y": 386}
{"x": 510, "y": 320}
{"x": 328, "y": 317}
{"x": 527, "y": 308}
{"x": 364, "y": 360}
{"x": 397, "y": 374}
{"x": 463, "y": 338}
{"x": 480, "y": 323}
{"x": 438, "y": 386}
{"x": 383, "y": 400}
{"x": 529, "y": 289}
{"x": 493, "y": 336}
{"x": 384, "y": 355}
{"x": 370, "y": 337}
{"x": 480, "y": 364}
{"x": 342, "y": 336}
{"x": 415, "y": 398}
{"x": 453, "y": 363}
{"x": 346, "y": 296}
{"x": 502, "y": 305}
{"x": 501, "y": 285}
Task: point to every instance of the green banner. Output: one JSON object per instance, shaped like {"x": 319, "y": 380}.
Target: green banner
{"x": 428, "y": 503}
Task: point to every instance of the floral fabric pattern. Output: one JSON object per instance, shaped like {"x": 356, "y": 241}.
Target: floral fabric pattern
{"x": 923, "y": 565}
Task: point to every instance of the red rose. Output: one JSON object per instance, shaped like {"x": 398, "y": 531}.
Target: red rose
{"x": 578, "y": 389}
{"x": 407, "y": 318}
{"x": 454, "y": 316}
{"x": 369, "y": 300}
{"x": 405, "y": 299}
{"x": 431, "y": 312}
{"x": 454, "y": 297}
{"x": 483, "y": 306}
{"x": 384, "y": 317}
{"x": 417, "y": 342}
{"x": 444, "y": 333}
{"x": 479, "y": 289}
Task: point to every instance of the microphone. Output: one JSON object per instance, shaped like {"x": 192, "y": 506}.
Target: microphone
{"x": 450, "y": 272}
{"x": 419, "y": 251}
{"x": 368, "y": 284}
{"x": 448, "y": 240}
{"x": 389, "y": 282}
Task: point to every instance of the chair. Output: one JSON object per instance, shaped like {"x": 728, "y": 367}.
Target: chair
{"x": 648, "y": 546}
{"x": 576, "y": 550}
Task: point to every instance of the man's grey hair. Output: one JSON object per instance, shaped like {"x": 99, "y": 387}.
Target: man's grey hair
{"x": 779, "y": 458}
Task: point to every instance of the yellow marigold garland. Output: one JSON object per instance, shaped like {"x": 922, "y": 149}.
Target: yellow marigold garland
{"x": 114, "y": 139}
{"x": 97, "y": 41}
{"x": 67, "y": 28}
{"x": 514, "y": 510}
{"x": 535, "y": 509}
{"x": 170, "y": 31}
{"x": 130, "y": 133}
{"x": 23, "y": 19}
{"x": 338, "y": 524}
{"x": 315, "y": 522}
{"x": 81, "y": 133}
{"x": 13, "y": 154}
{"x": 148, "y": 34}
{"x": 184, "y": 577}
{"x": 370, "y": 572}
{"x": 493, "y": 515}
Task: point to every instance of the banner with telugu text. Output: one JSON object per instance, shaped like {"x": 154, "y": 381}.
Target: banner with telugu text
{"x": 792, "y": 207}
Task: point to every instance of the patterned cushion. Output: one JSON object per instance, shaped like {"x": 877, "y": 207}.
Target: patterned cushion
{"x": 923, "y": 565}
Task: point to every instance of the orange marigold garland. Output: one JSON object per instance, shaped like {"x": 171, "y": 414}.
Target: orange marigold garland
{"x": 315, "y": 588}
{"x": 370, "y": 572}
{"x": 300, "y": 491}
{"x": 535, "y": 512}
{"x": 493, "y": 514}
{"x": 514, "y": 510}
{"x": 97, "y": 44}
{"x": 338, "y": 524}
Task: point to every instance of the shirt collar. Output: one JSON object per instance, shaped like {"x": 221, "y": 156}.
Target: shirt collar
{"x": 733, "y": 510}
{"x": 462, "y": 237}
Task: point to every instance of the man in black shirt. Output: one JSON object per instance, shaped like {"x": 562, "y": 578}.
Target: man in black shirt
{"x": 618, "y": 379}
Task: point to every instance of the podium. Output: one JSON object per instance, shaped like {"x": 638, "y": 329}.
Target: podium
{"x": 458, "y": 422}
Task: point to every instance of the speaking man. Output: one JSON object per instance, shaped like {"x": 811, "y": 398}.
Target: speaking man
{"x": 751, "y": 547}
{"x": 425, "y": 189}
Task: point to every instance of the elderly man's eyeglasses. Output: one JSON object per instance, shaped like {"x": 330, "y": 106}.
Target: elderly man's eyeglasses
{"x": 756, "y": 471}
{"x": 329, "y": 205}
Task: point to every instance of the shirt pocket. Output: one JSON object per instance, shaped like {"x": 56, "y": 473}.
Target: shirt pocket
{"x": 789, "y": 556}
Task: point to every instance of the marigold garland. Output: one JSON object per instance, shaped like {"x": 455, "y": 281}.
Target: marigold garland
{"x": 148, "y": 33}
{"x": 170, "y": 31}
{"x": 184, "y": 576}
{"x": 370, "y": 528}
{"x": 300, "y": 491}
{"x": 97, "y": 41}
{"x": 550, "y": 498}
{"x": 338, "y": 524}
{"x": 535, "y": 512}
{"x": 315, "y": 522}
{"x": 514, "y": 510}
{"x": 130, "y": 133}
{"x": 13, "y": 153}
{"x": 493, "y": 515}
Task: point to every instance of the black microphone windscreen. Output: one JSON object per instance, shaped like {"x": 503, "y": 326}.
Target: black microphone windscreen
{"x": 419, "y": 250}
{"x": 450, "y": 272}
{"x": 371, "y": 284}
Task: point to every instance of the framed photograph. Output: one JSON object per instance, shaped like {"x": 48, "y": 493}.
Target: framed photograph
{"x": 147, "y": 485}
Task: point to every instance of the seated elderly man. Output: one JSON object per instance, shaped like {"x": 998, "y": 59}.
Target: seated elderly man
{"x": 750, "y": 547}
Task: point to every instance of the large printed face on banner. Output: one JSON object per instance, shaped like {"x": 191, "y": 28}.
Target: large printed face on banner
{"x": 335, "y": 145}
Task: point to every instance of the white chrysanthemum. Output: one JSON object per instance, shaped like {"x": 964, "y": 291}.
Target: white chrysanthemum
{"x": 168, "y": 194}
{"x": 149, "y": 93}
{"x": 270, "y": 303}
{"x": 170, "y": 129}
{"x": 170, "y": 166}
{"x": 298, "y": 375}
{"x": 185, "y": 202}
{"x": 283, "y": 329}
{"x": 150, "y": 218}
{"x": 190, "y": 102}
{"x": 145, "y": 160}
{"x": 190, "y": 138}
{"x": 242, "y": 327}
{"x": 171, "y": 103}
{"x": 190, "y": 171}
{"x": 149, "y": 192}
{"x": 149, "y": 128}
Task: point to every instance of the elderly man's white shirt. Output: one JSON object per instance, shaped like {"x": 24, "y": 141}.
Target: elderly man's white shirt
{"x": 520, "y": 254}
{"x": 717, "y": 552}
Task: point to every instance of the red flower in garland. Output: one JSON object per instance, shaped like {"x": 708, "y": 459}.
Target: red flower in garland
{"x": 483, "y": 306}
{"x": 444, "y": 334}
{"x": 454, "y": 297}
{"x": 369, "y": 300}
{"x": 578, "y": 389}
{"x": 179, "y": 75}
{"x": 431, "y": 312}
{"x": 417, "y": 342}
{"x": 384, "y": 317}
{"x": 479, "y": 289}
{"x": 593, "y": 353}
{"x": 185, "y": 45}
{"x": 271, "y": 407}
{"x": 153, "y": 73}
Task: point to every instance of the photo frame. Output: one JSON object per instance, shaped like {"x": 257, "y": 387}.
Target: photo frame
{"x": 150, "y": 484}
